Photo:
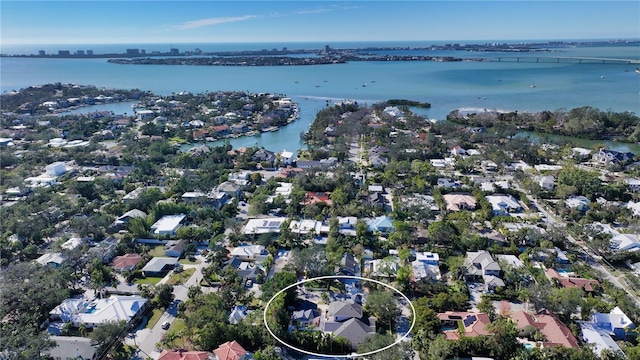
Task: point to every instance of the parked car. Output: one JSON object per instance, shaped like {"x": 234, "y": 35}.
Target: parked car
{"x": 165, "y": 325}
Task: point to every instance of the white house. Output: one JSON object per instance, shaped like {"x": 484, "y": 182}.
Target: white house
{"x": 625, "y": 242}
{"x": 580, "y": 203}
{"x": 547, "y": 182}
{"x": 56, "y": 169}
{"x": 634, "y": 184}
{"x": 168, "y": 224}
{"x": 256, "y": 253}
{"x": 286, "y": 158}
{"x": 54, "y": 260}
{"x": 503, "y": 204}
{"x": 597, "y": 337}
{"x": 78, "y": 311}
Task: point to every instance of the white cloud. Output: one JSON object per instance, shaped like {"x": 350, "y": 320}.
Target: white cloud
{"x": 213, "y": 21}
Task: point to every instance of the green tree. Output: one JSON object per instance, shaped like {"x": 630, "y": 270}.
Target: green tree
{"x": 384, "y": 307}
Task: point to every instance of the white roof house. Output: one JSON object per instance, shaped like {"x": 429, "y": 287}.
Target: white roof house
{"x": 616, "y": 323}
{"x": 634, "y": 184}
{"x": 52, "y": 259}
{"x": 625, "y": 242}
{"x": 599, "y": 338}
{"x": 168, "y": 224}
{"x": 546, "y": 182}
{"x": 512, "y": 260}
{"x": 42, "y": 180}
{"x": 263, "y": 226}
{"x": 634, "y": 207}
{"x": 99, "y": 311}
{"x": 56, "y": 169}
{"x": 286, "y": 157}
{"x": 578, "y": 202}
{"x": 503, "y": 204}
{"x": 250, "y": 252}
{"x": 72, "y": 243}
{"x": 424, "y": 270}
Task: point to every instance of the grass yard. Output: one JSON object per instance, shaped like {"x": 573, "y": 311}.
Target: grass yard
{"x": 157, "y": 251}
{"x": 147, "y": 280}
{"x": 189, "y": 262}
{"x": 153, "y": 320}
{"x": 181, "y": 277}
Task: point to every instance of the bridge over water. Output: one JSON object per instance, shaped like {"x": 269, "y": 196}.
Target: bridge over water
{"x": 563, "y": 59}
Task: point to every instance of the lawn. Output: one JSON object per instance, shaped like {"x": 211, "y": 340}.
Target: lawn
{"x": 189, "y": 262}
{"x": 180, "y": 277}
{"x": 157, "y": 313}
{"x": 157, "y": 251}
{"x": 147, "y": 280}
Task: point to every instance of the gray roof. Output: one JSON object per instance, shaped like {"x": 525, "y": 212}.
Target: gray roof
{"x": 345, "y": 309}
{"x": 158, "y": 264}
{"x": 354, "y": 330}
{"x": 72, "y": 347}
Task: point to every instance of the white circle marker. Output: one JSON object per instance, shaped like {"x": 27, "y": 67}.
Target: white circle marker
{"x": 264, "y": 317}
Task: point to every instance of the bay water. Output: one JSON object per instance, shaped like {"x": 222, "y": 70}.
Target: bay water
{"x": 521, "y": 86}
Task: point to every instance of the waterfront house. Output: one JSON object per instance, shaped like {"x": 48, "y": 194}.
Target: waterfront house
{"x": 264, "y": 155}
{"x": 286, "y": 158}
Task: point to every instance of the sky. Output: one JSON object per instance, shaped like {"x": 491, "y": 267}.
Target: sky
{"x": 156, "y": 21}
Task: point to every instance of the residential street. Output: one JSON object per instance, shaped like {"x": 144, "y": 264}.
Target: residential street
{"x": 146, "y": 339}
{"x": 591, "y": 258}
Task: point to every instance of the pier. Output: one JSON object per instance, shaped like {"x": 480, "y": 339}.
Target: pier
{"x": 564, "y": 59}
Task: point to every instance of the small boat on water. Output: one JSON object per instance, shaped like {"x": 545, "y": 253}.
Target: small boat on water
{"x": 532, "y": 85}
{"x": 637, "y": 70}
{"x": 364, "y": 85}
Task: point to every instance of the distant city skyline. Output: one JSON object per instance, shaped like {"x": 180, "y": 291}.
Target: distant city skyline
{"x": 123, "y": 22}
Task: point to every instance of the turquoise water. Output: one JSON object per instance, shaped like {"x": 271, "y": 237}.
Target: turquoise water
{"x": 446, "y": 85}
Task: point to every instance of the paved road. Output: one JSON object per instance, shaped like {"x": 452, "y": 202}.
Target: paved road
{"x": 146, "y": 339}
{"x": 591, "y": 258}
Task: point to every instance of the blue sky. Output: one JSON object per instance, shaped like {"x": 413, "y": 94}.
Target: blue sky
{"x": 140, "y": 21}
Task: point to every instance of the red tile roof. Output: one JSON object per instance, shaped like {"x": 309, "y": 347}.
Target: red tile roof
{"x": 183, "y": 355}
{"x": 556, "y": 333}
{"x": 125, "y": 261}
{"x": 316, "y": 197}
{"x": 231, "y": 350}
{"x": 572, "y": 282}
{"x": 474, "y": 323}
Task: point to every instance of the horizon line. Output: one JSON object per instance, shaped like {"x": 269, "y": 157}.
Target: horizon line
{"x": 330, "y": 41}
